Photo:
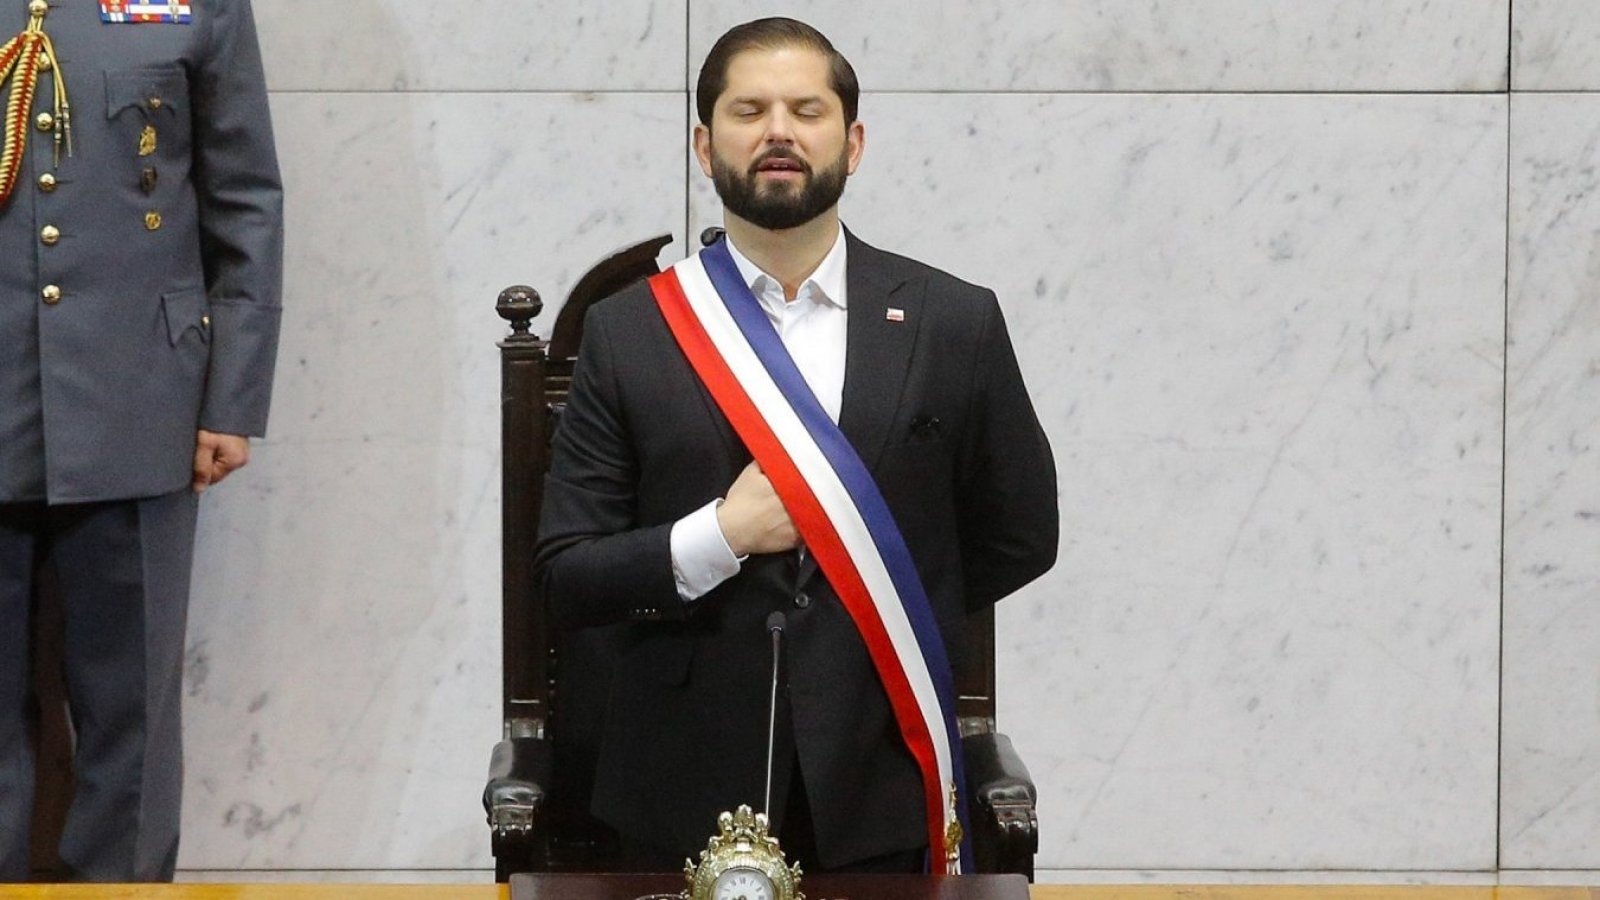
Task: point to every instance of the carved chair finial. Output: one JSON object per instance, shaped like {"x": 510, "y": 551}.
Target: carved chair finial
{"x": 519, "y": 305}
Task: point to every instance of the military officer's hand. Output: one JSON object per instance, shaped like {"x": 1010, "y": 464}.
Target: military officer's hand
{"x": 752, "y": 518}
{"x": 216, "y": 456}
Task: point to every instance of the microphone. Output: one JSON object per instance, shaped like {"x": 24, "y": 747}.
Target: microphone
{"x": 775, "y": 623}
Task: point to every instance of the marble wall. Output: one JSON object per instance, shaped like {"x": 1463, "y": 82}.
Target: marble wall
{"x": 1304, "y": 293}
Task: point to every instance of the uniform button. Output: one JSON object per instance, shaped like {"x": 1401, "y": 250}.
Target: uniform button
{"x": 152, "y": 220}
{"x": 802, "y": 600}
{"x": 45, "y": 64}
{"x": 155, "y": 102}
{"x": 45, "y": 122}
{"x": 51, "y": 294}
{"x": 205, "y": 321}
{"x": 38, "y": 8}
{"x": 47, "y": 182}
{"x": 49, "y": 235}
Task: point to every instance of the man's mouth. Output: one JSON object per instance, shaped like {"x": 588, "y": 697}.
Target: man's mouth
{"x": 781, "y": 165}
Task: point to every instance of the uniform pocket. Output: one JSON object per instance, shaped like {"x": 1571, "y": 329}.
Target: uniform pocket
{"x": 156, "y": 90}
{"x": 148, "y": 110}
{"x": 187, "y": 310}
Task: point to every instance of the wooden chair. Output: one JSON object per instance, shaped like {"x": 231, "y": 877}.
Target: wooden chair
{"x": 541, "y": 771}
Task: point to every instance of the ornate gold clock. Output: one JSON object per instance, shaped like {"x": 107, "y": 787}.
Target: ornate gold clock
{"x": 742, "y": 862}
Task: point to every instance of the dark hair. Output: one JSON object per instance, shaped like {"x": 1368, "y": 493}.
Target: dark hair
{"x": 772, "y": 34}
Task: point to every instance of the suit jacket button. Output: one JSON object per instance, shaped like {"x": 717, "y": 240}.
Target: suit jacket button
{"x": 49, "y": 235}
{"x": 44, "y": 122}
{"x": 802, "y": 600}
{"x": 51, "y": 294}
{"x": 47, "y": 182}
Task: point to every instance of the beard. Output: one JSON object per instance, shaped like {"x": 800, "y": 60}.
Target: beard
{"x": 779, "y": 205}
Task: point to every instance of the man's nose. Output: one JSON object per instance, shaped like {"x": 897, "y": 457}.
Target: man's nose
{"x": 780, "y": 127}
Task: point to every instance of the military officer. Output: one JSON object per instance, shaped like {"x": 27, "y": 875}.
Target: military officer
{"x": 140, "y": 270}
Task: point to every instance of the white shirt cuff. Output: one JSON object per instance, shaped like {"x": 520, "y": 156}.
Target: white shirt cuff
{"x": 701, "y": 557}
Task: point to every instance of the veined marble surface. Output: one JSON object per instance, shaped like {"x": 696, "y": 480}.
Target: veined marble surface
{"x": 1553, "y": 45}
{"x": 483, "y": 45}
{"x": 1551, "y": 745}
{"x": 344, "y": 668}
{"x": 1264, "y": 334}
{"x": 1159, "y": 45}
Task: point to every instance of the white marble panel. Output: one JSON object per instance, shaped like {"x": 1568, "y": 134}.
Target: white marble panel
{"x": 1551, "y": 737}
{"x": 483, "y": 45}
{"x": 1160, "y": 45}
{"x": 1553, "y": 45}
{"x": 1264, "y": 334}
{"x": 1551, "y": 877}
{"x": 344, "y": 668}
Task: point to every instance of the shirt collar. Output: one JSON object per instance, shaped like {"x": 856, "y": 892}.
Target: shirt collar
{"x": 827, "y": 282}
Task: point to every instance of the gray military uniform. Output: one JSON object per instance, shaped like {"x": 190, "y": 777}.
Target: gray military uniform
{"x": 139, "y": 302}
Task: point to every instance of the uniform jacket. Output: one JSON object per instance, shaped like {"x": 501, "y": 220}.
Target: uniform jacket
{"x": 161, "y": 327}
{"x": 935, "y": 406}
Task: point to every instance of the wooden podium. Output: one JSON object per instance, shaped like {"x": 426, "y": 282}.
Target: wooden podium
{"x": 549, "y": 886}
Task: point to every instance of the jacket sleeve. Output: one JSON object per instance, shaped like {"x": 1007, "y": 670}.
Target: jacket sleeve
{"x": 1010, "y": 522}
{"x": 240, "y": 197}
{"x": 595, "y": 564}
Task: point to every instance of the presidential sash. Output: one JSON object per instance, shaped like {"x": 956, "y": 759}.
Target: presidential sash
{"x": 838, "y": 511}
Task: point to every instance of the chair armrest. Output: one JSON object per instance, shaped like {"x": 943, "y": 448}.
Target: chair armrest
{"x": 519, "y": 771}
{"x": 996, "y": 775}
{"x": 1001, "y": 806}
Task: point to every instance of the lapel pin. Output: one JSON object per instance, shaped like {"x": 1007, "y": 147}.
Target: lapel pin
{"x": 894, "y": 315}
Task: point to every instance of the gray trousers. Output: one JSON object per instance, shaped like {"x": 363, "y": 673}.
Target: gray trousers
{"x": 123, "y": 569}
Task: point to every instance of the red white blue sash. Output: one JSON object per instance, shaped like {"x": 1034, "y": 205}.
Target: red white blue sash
{"x": 838, "y": 511}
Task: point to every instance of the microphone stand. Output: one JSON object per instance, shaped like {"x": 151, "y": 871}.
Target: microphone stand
{"x": 775, "y": 624}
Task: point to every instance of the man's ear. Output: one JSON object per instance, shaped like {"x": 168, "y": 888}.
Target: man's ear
{"x": 855, "y": 137}
{"x": 702, "y": 148}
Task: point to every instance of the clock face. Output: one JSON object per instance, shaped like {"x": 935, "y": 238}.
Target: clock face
{"x": 742, "y": 884}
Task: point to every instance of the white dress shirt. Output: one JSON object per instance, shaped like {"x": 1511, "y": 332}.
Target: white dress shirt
{"x": 812, "y": 327}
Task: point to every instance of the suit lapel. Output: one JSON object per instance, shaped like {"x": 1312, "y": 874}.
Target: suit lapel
{"x": 877, "y": 356}
{"x": 885, "y": 316}
{"x": 733, "y": 445}
{"x": 716, "y": 420}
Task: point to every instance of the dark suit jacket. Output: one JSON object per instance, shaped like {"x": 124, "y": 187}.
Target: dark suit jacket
{"x": 162, "y": 327}
{"x": 936, "y": 407}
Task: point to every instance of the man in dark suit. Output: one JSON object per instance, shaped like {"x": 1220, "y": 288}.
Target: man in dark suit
{"x": 658, "y": 524}
{"x": 141, "y": 243}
